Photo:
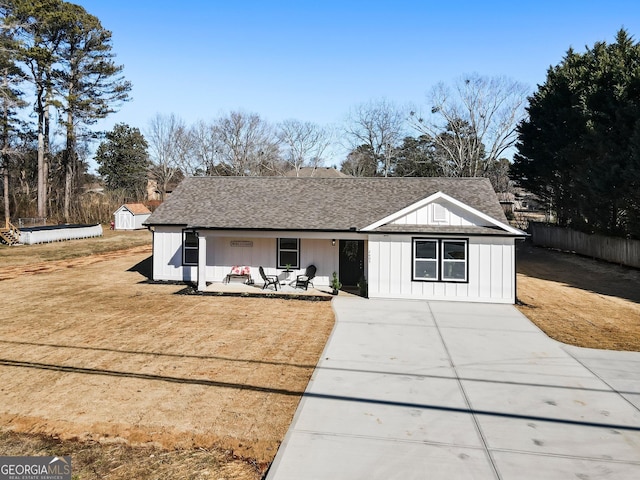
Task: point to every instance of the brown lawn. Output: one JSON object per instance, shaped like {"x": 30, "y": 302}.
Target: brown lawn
{"x": 89, "y": 352}
{"x": 578, "y": 300}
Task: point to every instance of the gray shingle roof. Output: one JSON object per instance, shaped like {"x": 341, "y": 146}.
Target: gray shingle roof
{"x": 280, "y": 203}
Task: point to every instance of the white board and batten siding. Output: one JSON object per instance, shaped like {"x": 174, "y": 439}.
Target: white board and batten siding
{"x": 223, "y": 252}
{"x": 491, "y": 260}
{"x": 491, "y": 263}
{"x": 167, "y": 256}
{"x": 440, "y": 213}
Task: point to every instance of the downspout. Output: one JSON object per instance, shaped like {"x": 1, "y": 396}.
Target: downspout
{"x": 153, "y": 243}
{"x": 515, "y": 269}
{"x": 202, "y": 261}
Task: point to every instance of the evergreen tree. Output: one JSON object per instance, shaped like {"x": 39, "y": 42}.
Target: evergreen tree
{"x": 38, "y": 26}
{"x": 123, "y": 160}
{"x": 11, "y": 100}
{"x": 89, "y": 81}
{"x": 548, "y": 155}
{"x": 576, "y": 149}
{"x": 67, "y": 56}
{"x": 416, "y": 158}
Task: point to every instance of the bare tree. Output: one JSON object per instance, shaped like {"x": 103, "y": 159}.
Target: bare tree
{"x": 474, "y": 123}
{"x": 360, "y": 163}
{"x": 303, "y": 143}
{"x": 379, "y": 126}
{"x": 169, "y": 149}
{"x": 203, "y": 145}
{"x": 246, "y": 146}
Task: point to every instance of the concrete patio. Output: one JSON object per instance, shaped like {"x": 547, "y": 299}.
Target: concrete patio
{"x": 284, "y": 290}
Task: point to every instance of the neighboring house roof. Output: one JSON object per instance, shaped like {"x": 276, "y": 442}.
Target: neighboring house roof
{"x": 136, "y": 208}
{"x": 94, "y": 187}
{"x": 316, "y": 172}
{"x": 327, "y": 204}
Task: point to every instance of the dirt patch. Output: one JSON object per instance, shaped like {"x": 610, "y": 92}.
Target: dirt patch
{"x": 578, "y": 300}
{"x": 91, "y": 353}
{"x": 48, "y": 266}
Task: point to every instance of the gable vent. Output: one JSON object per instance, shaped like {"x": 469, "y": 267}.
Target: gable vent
{"x": 439, "y": 213}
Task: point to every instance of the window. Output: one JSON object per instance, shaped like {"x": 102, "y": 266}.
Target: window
{"x": 288, "y": 252}
{"x": 440, "y": 260}
{"x": 454, "y": 260}
{"x": 425, "y": 254}
{"x": 189, "y": 248}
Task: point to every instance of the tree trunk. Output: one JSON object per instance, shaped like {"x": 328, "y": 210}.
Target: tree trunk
{"x": 69, "y": 168}
{"x": 68, "y": 187}
{"x": 5, "y": 149}
{"x": 42, "y": 195}
{"x": 7, "y": 213}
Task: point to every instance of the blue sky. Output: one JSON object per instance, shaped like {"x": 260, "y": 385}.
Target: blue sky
{"x": 313, "y": 61}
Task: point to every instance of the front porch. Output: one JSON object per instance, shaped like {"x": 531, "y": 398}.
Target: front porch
{"x": 285, "y": 290}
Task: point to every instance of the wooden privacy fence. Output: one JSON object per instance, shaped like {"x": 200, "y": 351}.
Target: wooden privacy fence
{"x": 611, "y": 249}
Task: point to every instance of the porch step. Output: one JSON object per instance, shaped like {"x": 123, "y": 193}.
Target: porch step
{"x": 9, "y": 236}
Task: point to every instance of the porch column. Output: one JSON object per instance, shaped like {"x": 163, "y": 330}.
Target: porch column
{"x": 202, "y": 262}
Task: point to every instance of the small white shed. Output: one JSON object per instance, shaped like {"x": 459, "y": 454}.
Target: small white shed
{"x": 131, "y": 216}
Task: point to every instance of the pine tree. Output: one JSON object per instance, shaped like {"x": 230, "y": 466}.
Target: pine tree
{"x": 89, "y": 81}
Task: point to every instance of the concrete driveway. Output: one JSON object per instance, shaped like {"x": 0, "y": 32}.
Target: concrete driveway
{"x": 443, "y": 390}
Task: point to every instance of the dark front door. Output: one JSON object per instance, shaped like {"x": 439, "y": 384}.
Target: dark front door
{"x": 351, "y": 262}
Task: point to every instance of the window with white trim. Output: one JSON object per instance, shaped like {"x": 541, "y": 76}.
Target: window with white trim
{"x": 454, "y": 261}
{"x": 425, "y": 259}
{"x": 288, "y": 252}
{"x": 189, "y": 248}
{"x": 440, "y": 260}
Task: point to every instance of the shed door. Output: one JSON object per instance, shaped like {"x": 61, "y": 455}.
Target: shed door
{"x": 124, "y": 220}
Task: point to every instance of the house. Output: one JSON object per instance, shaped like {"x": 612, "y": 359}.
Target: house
{"x": 155, "y": 193}
{"x": 420, "y": 238}
{"x": 131, "y": 216}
